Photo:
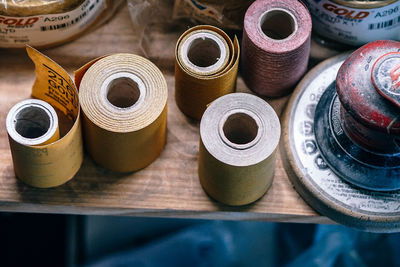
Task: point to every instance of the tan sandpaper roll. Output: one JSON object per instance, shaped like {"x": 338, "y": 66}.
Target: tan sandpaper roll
{"x": 42, "y": 158}
{"x": 206, "y": 65}
{"x": 239, "y": 134}
{"x": 124, "y": 104}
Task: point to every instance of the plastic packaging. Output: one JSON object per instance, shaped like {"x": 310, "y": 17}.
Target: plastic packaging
{"x": 148, "y": 16}
{"x": 224, "y": 14}
{"x": 42, "y": 23}
{"x": 228, "y": 14}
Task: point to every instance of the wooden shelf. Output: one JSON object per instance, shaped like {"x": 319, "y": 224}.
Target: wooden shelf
{"x": 167, "y": 188}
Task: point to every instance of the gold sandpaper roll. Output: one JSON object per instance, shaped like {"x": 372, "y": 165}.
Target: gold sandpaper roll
{"x": 42, "y": 158}
{"x": 239, "y": 134}
{"x": 124, "y": 104}
{"x": 42, "y": 24}
{"x": 206, "y": 66}
{"x": 37, "y": 7}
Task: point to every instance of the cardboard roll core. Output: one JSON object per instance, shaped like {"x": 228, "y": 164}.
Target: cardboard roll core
{"x": 33, "y": 122}
{"x": 123, "y": 92}
{"x": 204, "y": 52}
{"x": 240, "y": 129}
{"x": 278, "y": 24}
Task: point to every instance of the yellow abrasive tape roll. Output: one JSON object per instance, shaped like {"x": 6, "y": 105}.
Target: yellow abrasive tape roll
{"x": 124, "y": 104}
{"x": 42, "y": 158}
{"x": 37, "y": 7}
{"x": 239, "y": 134}
{"x": 206, "y": 65}
{"x": 42, "y": 23}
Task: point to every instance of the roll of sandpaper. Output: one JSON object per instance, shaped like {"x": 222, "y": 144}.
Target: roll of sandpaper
{"x": 239, "y": 134}
{"x": 206, "y": 65}
{"x": 42, "y": 23}
{"x": 41, "y": 156}
{"x": 37, "y": 7}
{"x": 275, "y": 46}
{"x": 124, "y": 104}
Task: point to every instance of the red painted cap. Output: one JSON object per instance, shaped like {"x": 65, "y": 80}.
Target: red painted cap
{"x": 357, "y": 85}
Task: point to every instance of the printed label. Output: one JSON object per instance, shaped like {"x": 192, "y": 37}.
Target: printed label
{"x": 308, "y": 156}
{"x": 355, "y": 26}
{"x": 42, "y": 30}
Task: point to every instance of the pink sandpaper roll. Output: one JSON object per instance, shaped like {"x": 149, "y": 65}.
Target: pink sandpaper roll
{"x": 275, "y": 45}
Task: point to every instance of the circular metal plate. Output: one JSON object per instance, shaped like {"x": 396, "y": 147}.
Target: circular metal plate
{"x": 366, "y": 169}
{"x": 386, "y": 77}
{"x": 311, "y": 176}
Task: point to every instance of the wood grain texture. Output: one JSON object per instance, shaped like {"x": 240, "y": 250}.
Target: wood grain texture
{"x": 167, "y": 188}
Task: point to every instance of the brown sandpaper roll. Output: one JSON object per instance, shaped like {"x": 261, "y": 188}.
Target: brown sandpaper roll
{"x": 275, "y": 46}
{"x": 239, "y": 134}
{"x": 206, "y": 65}
{"x": 41, "y": 157}
{"x": 124, "y": 104}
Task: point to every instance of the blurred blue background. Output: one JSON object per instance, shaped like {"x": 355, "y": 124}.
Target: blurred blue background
{"x": 171, "y": 242}
{"x": 70, "y": 240}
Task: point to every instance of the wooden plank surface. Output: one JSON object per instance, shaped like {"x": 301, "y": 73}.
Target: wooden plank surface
{"x": 167, "y": 188}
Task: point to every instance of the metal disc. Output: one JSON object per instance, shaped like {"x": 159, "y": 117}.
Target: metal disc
{"x": 311, "y": 176}
{"x": 386, "y": 77}
{"x": 361, "y": 167}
